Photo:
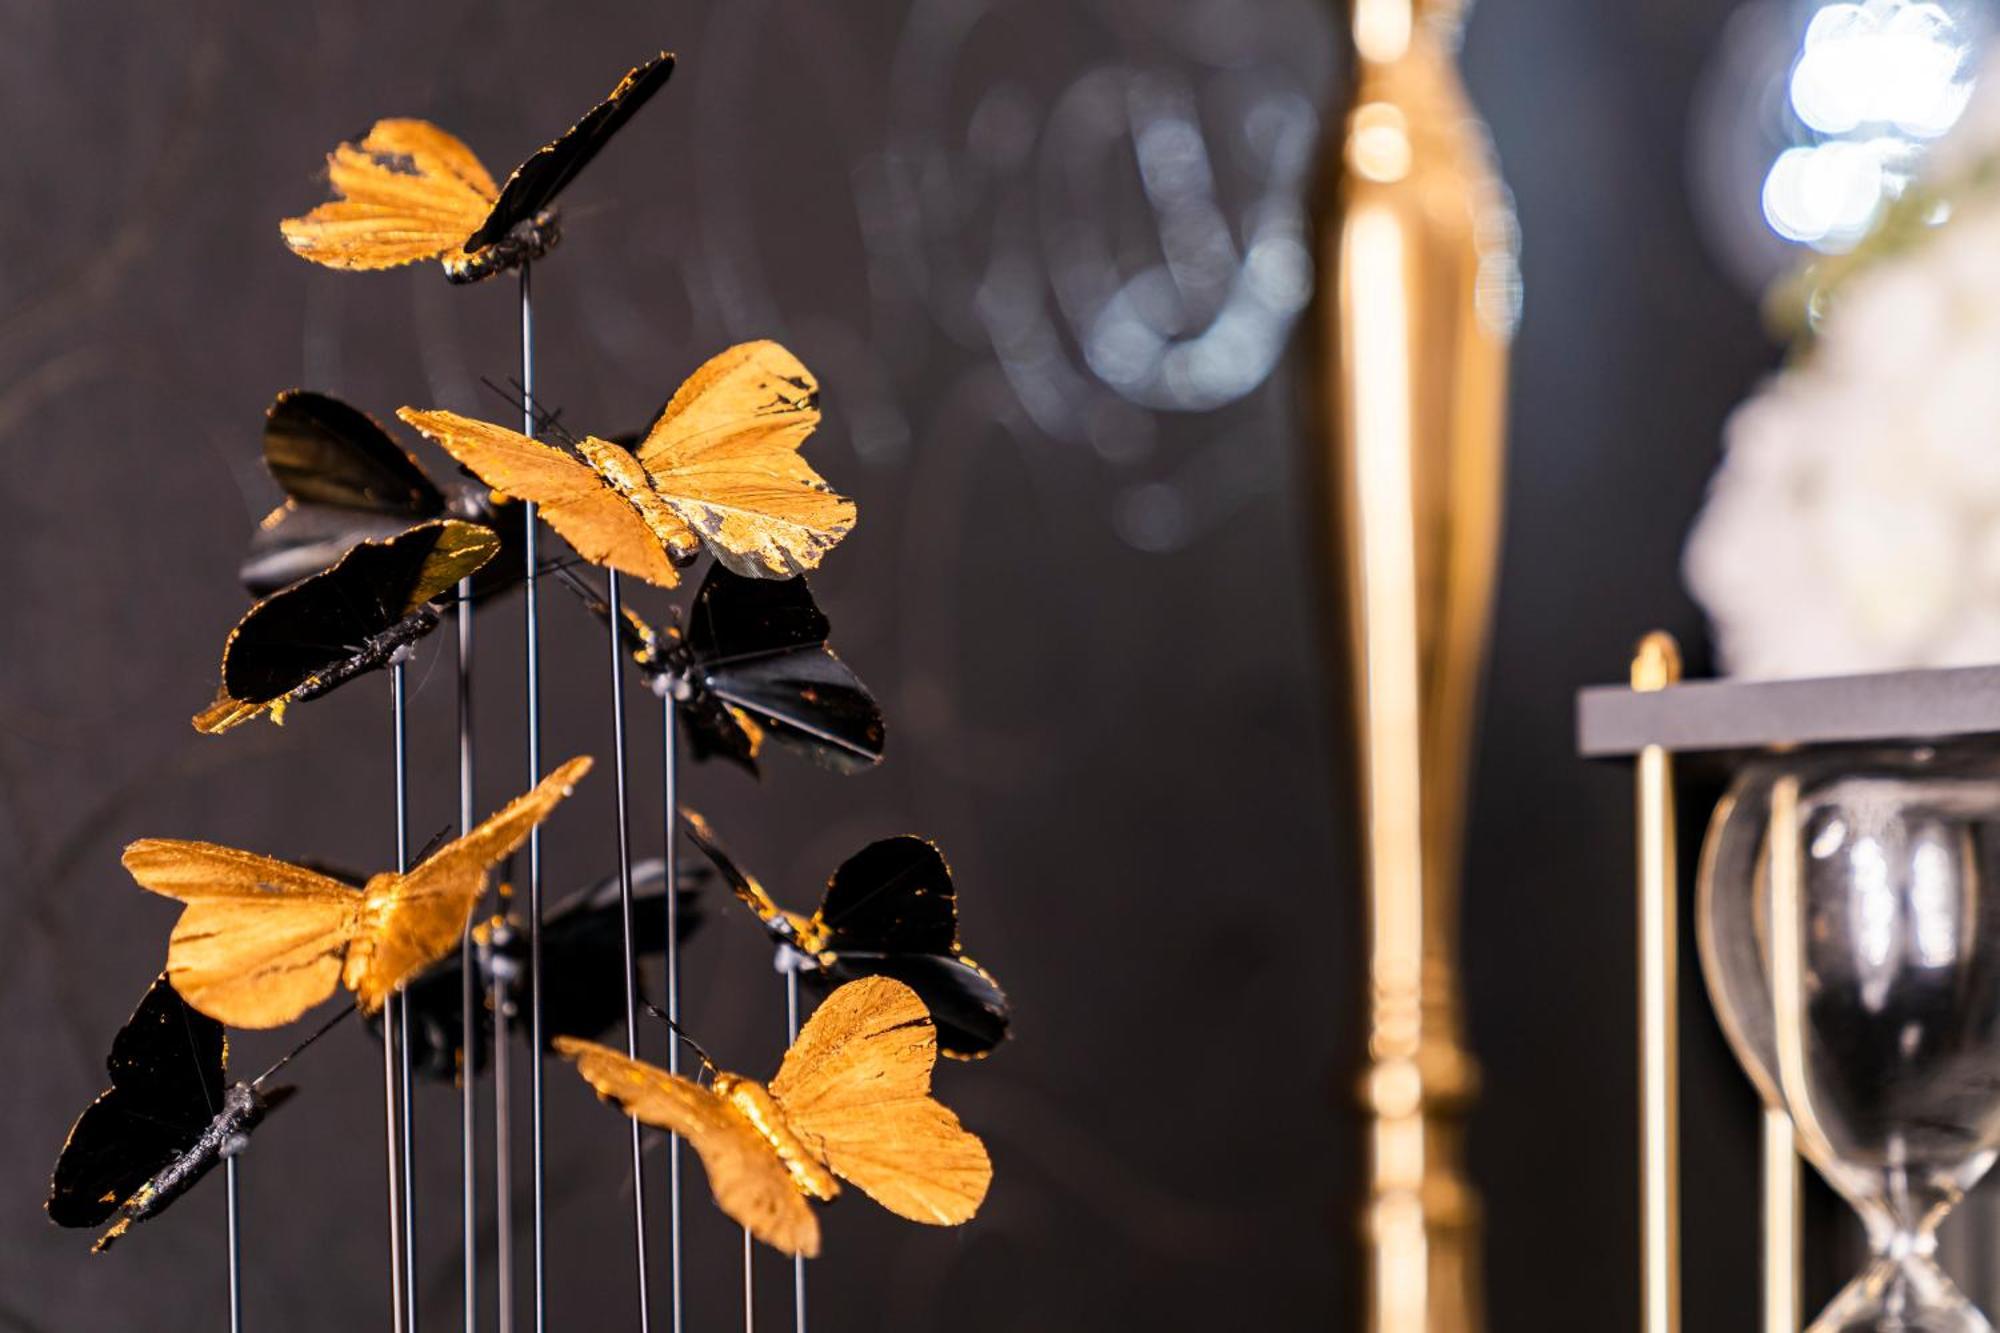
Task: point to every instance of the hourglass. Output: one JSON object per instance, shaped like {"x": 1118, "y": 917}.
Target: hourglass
{"x": 1850, "y": 937}
{"x": 1848, "y": 922}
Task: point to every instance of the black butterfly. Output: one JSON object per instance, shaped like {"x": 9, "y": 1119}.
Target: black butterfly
{"x": 346, "y": 481}
{"x": 168, "y": 1117}
{"x": 408, "y": 191}
{"x": 583, "y": 952}
{"x": 889, "y": 911}
{"x": 356, "y": 617}
{"x": 752, "y": 664}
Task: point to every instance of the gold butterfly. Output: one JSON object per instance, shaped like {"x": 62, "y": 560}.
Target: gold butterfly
{"x": 720, "y": 468}
{"x": 851, "y": 1100}
{"x": 263, "y": 940}
{"x": 408, "y": 191}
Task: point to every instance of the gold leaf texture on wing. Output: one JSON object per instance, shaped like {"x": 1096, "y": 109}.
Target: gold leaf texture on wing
{"x": 750, "y": 1181}
{"x": 462, "y": 550}
{"x": 725, "y": 455}
{"x": 582, "y": 506}
{"x": 406, "y": 192}
{"x": 261, "y": 940}
{"x": 410, "y": 921}
{"x": 855, "y": 1087}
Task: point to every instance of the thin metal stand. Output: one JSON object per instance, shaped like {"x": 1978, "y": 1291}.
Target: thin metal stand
{"x": 788, "y": 960}
{"x": 670, "y": 802}
{"x": 534, "y": 719}
{"x": 503, "y": 1149}
{"x": 631, "y": 952}
{"x": 468, "y": 996}
{"x": 235, "y": 1246}
{"x": 398, "y": 1253}
{"x": 749, "y": 1287}
{"x": 1656, "y": 666}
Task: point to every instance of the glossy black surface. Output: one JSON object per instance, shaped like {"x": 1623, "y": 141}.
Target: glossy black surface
{"x": 582, "y": 951}
{"x": 166, "y": 1067}
{"x": 759, "y": 645}
{"x": 536, "y": 182}
{"x": 346, "y": 481}
{"x": 336, "y": 625}
{"x": 889, "y": 910}
{"x": 163, "y": 1124}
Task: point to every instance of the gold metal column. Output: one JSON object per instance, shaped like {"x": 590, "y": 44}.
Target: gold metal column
{"x": 1655, "y": 666}
{"x": 1414, "y": 249}
{"x": 1782, "y": 1192}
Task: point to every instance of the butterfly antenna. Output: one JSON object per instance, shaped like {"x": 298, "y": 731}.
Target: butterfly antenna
{"x": 437, "y": 840}
{"x": 547, "y": 422}
{"x": 288, "y": 1056}
{"x": 661, "y": 1014}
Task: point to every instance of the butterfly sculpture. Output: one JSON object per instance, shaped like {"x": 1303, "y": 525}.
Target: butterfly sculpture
{"x": 262, "y": 940}
{"x": 851, "y": 1101}
{"x": 407, "y": 192}
{"x": 889, "y": 910}
{"x": 358, "y": 616}
{"x": 719, "y": 469}
{"x": 583, "y": 956}
{"x": 168, "y": 1117}
{"x": 345, "y": 481}
{"x": 752, "y": 664}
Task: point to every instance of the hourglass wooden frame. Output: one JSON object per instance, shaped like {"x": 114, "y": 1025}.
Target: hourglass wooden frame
{"x": 1650, "y": 722}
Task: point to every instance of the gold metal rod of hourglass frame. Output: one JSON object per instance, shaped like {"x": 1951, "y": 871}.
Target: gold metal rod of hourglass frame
{"x": 1656, "y": 665}
{"x": 1787, "y": 981}
{"x": 1782, "y": 1193}
{"x": 1414, "y": 242}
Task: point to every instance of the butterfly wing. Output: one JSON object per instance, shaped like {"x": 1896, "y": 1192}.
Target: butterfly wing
{"x": 415, "y": 919}
{"x": 856, "y": 1087}
{"x": 305, "y": 630}
{"x": 725, "y": 456}
{"x": 321, "y": 451}
{"x": 345, "y": 481}
{"x": 166, "y": 1069}
{"x": 261, "y": 940}
{"x": 749, "y": 1179}
{"x": 892, "y": 896}
{"x": 971, "y": 1011}
{"x": 406, "y": 192}
{"x": 534, "y": 184}
{"x": 601, "y": 524}
{"x": 759, "y": 646}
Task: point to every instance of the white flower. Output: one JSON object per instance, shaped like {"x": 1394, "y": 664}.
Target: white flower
{"x": 1854, "y": 524}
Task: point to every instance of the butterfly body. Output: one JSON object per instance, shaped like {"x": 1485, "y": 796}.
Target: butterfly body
{"x": 762, "y": 1112}
{"x": 526, "y": 240}
{"x": 243, "y": 1109}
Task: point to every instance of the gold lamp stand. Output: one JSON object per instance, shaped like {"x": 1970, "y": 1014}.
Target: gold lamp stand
{"x": 1415, "y": 249}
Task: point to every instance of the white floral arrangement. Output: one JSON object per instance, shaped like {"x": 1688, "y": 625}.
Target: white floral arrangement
{"x": 1854, "y": 523}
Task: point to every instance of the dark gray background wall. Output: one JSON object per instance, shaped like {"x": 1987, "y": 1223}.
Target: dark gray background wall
{"x": 1087, "y": 616}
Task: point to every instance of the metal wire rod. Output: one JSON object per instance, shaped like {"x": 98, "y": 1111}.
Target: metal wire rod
{"x": 235, "y": 1246}
{"x": 534, "y": 720}
{"x": 468, "y": 996}
{"x": 788, "y": 961}
{"x": 399, "y": 1312}
{"x": 669, "y": 787}
{"x": 631, "y": 944}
